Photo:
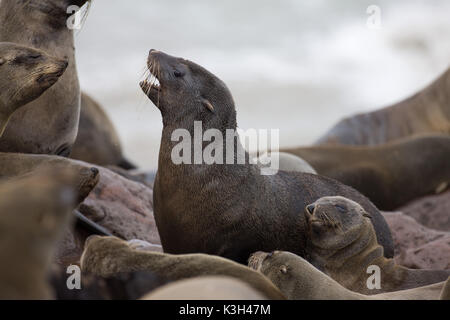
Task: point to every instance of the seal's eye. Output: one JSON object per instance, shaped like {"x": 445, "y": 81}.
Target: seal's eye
{"x": 341, "y": 209}
{"x": 178, "y": 74}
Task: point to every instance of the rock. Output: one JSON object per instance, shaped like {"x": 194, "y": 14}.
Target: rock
{"x": 431, "y": 211}
{"x": 417, "y": 246}
{"x": 121, "y": 206}
{"x": 433, "y": 255}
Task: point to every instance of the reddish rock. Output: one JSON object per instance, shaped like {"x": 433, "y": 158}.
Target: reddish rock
{"x": 417, "y": 246}
{"x": 431, "y": 211}
{"x": 121, "y": 206}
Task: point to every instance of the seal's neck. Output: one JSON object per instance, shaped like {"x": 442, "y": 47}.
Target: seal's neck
{"x": 349, "y": 264}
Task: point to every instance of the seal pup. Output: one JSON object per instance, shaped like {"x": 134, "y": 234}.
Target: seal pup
{"x": 228, "y": 210}
{"x": 34, "y": 210}
{"x": 25, "y": 74}
{"x": 342, "y": 244}
{"x": 299, "y": 280}
{"x": 390, "y": 175}
{"x": 205, "y": 288}
{"x": 428, "y": 111}
{"x": 97, "y": 140}
{"x": 49, "y": 124}
{"x": 107, "y": 256}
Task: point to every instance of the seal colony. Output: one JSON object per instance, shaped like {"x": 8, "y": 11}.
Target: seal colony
{"x": 228, "y": 210}
{"x": 212, "y": 216}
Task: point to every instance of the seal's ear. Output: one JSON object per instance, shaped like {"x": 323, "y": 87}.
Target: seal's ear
{"x": 208, "y": 105}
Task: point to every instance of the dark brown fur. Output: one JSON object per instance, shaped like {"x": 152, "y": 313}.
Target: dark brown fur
{"x": 227, "y": 210}
{"x": 390, "y": 175}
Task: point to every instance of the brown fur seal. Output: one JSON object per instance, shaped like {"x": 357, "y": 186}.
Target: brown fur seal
{"x": 49, "y": 124}
{"x": 106, "y": 256}
{"x": 390, "y": 175}
{"x": 97, "y": 140}
{"x": 34, "y": 212}
{"x": 229, "y": 210}
{"x": 342, "y": 244}
{"x": 25, "y": 74}
{"x": 13, "y": 165}
{"x": 299, "y": 280}
{"x": 428, "y": 111}
{"x": 205, "y": 288}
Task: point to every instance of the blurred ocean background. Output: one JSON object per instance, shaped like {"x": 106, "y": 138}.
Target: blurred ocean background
{"x": 294, "y": 65}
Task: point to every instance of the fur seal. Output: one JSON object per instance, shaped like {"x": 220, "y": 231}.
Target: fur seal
{"x": 428, "y": 111}
{"x": 31, "y": 227}
{"x": 97, "y": 140}
{"x": 228, "y": 210}
{"x": 14, "y": 165}
{"x": 390, "y": 175}
{"x": 42, "y": 24}
{"x": 300, "y": 280}
{"x": 205, "y": 288}
{"x": 107, "y": 256}
{"x": 342, "y": 244}
{"x": 25, "y": 74}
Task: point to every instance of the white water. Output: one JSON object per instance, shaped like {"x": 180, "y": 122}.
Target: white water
{"x": 295, "y": 65}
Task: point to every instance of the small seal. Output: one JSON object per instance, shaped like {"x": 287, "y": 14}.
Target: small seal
{"x": 426, "y": 112}
{"x": 31, "y": 227}
{"x": 97, "y": 140}
{"x": 342, "y": 244}
{"x": 49, "y": 124}
{"x": 299, "y": 280}
{"x": 230, "y": 210}
{"x": 25, "y": 74}
{"x": 108, "y": 256}
{"x": 390, "y": 175}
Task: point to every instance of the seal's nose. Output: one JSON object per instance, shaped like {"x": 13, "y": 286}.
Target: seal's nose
{"x": 95, "y": 171}
{"x": 153, "y": 51}
{"x": 310, "y": 208}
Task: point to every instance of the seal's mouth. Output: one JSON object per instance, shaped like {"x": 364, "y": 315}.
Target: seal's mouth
{"x": 151, "y": 83}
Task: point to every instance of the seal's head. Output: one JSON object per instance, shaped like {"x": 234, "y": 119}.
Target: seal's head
{"x": 182, "y": 89}
{"x": 279, "y": 266}
{"x": 26, "y": 73}
{"x": 335, "y": 222}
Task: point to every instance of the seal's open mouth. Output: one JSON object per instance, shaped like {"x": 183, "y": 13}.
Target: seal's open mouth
{"x": 151, "y": 77}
